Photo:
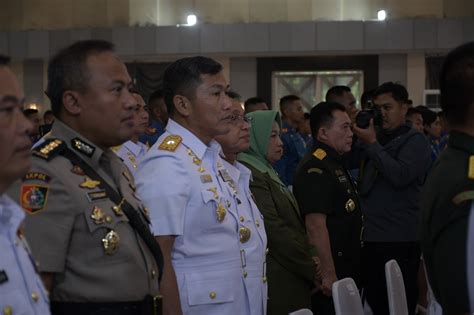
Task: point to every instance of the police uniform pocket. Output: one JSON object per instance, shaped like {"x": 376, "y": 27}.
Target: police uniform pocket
{"x": 99, "y": 216}
{"x": 209, "y": 291}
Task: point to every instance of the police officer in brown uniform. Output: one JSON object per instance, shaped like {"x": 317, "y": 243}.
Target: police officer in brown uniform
{"x": 86, "y": 225}
{"x": 328, "y": 201}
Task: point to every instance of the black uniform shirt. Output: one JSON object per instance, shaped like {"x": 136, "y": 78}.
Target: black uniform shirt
{"x": 323, "y": 185}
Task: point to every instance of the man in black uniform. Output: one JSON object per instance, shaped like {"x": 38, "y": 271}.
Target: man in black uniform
{"x": 328, "y": 201}
{"x": 447, "y": 230}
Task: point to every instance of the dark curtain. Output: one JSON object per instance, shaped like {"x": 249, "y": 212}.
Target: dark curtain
{"x": 433, "y": 71}
{"x": 147, "y": 77}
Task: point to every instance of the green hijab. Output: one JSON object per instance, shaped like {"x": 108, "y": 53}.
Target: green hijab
{"x": 262, "y": 123}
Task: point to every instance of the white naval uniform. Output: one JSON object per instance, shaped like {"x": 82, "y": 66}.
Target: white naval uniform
{"x": 254, "y": 250}
{"x": 131, "y": 154}
{"x": 21, "y": 289}
{"x": 184, "y": 192}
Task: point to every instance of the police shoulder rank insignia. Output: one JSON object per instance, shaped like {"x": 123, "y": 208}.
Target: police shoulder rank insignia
{"x": 470, "y": 173}
{"x": 170, "y": 143}
{"x": 37, "y": 176}
{"x": 320, "y": 154}
{"x": 49, "y": 149}
{"x": 33, "y": 198}
{"x": 83, "y": 147}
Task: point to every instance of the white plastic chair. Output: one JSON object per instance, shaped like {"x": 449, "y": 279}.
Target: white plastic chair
{"x": 346, "y": 297}
{"x": 397, "y": 300}
{"x": 303, "y": 311}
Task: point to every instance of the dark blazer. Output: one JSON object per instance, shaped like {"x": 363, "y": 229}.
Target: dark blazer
{"x": 290, "y": 268}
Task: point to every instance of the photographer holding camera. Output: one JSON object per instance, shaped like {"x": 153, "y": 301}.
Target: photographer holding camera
{"x": 393, "y": 159}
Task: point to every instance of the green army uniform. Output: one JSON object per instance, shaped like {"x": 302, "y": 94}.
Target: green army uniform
{"x": 75, "y": 230}
{"x": 290, "y": 268}
{"x": 322, "y": 185}
{"x": 447, "y": 235}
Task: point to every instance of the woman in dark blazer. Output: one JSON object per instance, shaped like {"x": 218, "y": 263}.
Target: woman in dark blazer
{"x": 290, "y": 268}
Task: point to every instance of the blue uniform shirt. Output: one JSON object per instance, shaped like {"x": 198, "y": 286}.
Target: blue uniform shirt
{"x": 21, "y": 289}
{"x": 153, "y": 132}
{"x": 294, "y": 148}
{"x": 178, "y": 181}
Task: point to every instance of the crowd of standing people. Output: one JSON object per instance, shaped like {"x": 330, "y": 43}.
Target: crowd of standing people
{"x": 192, "y": 203}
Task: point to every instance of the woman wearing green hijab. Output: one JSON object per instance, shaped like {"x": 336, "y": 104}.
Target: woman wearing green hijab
{"x": 290, "y": 267}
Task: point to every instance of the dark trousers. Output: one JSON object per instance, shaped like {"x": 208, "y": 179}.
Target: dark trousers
{"x": 322, "y": 304}
{"x": 374, "y": 257}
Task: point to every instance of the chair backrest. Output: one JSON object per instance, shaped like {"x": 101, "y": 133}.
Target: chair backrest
{"x": 397, "y": 300}
{"x": 346, "y": 297}
{"x": 303, "y": 311}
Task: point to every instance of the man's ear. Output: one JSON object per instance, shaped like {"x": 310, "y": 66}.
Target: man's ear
{"x": 71, "y": 102}
{"x": 322, "y": 134}
{"x": 182, "y": 105}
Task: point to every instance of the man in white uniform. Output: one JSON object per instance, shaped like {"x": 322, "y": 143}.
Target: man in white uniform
{"x": 132, "y": 151}
{"x": 192, "y": 211}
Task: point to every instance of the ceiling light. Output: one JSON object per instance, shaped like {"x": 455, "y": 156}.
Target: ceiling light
{"x": 381, "y": 15}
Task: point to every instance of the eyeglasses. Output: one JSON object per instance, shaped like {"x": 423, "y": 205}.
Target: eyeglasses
{"x": 240, "y": 118}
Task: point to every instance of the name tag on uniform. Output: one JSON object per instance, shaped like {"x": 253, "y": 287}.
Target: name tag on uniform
{"x": 342, "y": 179}
{"x": 96, "y": 195}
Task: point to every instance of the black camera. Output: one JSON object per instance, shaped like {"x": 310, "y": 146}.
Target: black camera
{"x": 363, "y": 118}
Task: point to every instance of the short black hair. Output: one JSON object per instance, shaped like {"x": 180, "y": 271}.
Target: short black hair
{"x": 48, "y": 112}
{"x": 156, "y": 95}
{"x": 398, "y": 91}
{"x": 413, "y": 111}
{"x": 67, "y": 70}
{"x": 184, "y": 75}
{"x": 4, "y": 60}
{"x": 286, "y": 101}
{"x": 29, "y": 112}
{"x": 337, "y": 90}
{"x": 429, "y": 116}
{"x": 249, "y": 103}
{"x": 457, "y": 85}
{"x": 322, "y": 115}
{"x": 233, "y": 95}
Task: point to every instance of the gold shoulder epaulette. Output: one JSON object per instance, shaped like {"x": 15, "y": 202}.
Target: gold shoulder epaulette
{"x": 49, "y": 149}
{"x": 470, "y": 172}
{"x": 170, "y": 143}
{"x": 116, "y": 149}
{"x": 320, "y": 154}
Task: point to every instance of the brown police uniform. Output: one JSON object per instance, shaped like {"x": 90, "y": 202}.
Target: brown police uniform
{"x": 75, "y": 230}
{"x": 322, "y": 185}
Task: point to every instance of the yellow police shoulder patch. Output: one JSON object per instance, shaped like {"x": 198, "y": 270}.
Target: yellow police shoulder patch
{"x": 320, "y": 154}
{"x": 170, "y": 143}
{"x": 470, "y": 172}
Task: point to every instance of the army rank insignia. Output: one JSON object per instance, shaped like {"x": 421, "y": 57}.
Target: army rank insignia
{"x": 170, "y": 143}
{"x": 319, "y": 154}
{"x": 83, "y": 147}
{"x": 33, "y": 198}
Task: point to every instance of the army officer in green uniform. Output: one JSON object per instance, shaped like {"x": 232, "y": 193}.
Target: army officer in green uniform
{"x": 328, "y": 201}
{"x": 447, "y": 201}
{"x": 85, "y": 224}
